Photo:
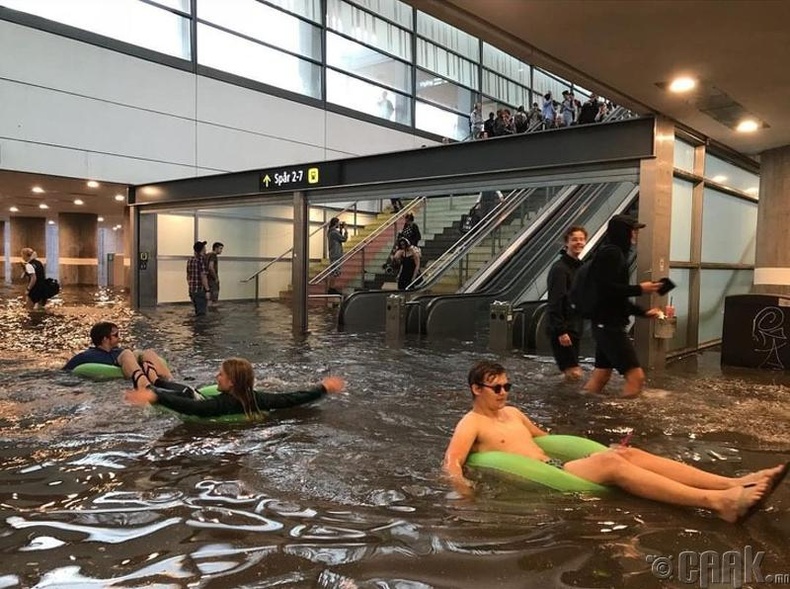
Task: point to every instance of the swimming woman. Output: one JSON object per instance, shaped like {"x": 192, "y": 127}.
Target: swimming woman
{"x": 235, "y": 381}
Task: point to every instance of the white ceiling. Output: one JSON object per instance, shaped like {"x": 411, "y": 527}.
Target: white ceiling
{"x": 59, "y": 194}
{"x": 623, "y": 48}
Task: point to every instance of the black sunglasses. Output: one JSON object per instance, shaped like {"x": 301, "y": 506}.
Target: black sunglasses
{"x": 497, "y": 388}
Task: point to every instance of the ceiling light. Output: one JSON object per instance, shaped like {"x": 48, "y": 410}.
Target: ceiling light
{"x": 100, "y": 219}
{"x": 719, "y": 179}
{"x": 747, "y": 126}
{"x": 13, "y": 209}
{"x": 93, "y": 184}
{"x": 37, "y": 189}
{"x": 79, "y": 201}
{"x": 51, "y": 222}
{"x": 43, "y": 205}
{"x": 115, "y": 228}
{"x": 682, "y": 84}
{"x": 120, "y": 197}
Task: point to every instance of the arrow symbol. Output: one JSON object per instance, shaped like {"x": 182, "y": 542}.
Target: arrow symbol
{"x": 266, "y": 180}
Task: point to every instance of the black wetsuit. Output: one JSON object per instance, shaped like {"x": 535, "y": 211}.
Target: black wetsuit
{"x": 182, "y": 399}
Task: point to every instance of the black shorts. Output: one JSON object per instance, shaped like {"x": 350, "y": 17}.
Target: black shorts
{"x": 565, "y": 356}
{"x": 613, "y": 348}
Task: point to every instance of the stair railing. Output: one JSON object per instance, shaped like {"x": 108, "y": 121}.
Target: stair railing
{"x": 360, "y": 247}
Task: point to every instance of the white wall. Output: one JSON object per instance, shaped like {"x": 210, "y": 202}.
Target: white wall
{"x": 74, "y": 109}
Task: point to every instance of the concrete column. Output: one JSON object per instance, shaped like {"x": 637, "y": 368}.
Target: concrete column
{"x": 300, "y": 264}
{"x": 772, "y": 255}
{"x": 652, "y": 257}
{"x": 78, "y": 248}
{"x": 25, "y": 232}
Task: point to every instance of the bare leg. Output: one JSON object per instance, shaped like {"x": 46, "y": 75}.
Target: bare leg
{"x": 597, "y": 380}
{"x": 634, "y": 381}
{"x": 158, "y": 364}
{"x": 574, "y": 373}
{"x": 684, "y": 473}
{"x": 131, "y": 369}
{"x": 610, "y": 468}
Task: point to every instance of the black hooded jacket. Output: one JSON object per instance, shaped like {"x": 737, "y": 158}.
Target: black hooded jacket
{"x": 562, "y": 318}
{"x": 610, "y": 272}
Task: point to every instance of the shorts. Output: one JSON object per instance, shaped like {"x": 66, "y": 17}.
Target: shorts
{"x": 213, "y": 289}
{"x": 613, "y": 348}
{"x": 565, "y": 356}
{"x": 556, "y": 463}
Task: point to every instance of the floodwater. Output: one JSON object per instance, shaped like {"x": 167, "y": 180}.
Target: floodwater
{"x": 345, "y": 493}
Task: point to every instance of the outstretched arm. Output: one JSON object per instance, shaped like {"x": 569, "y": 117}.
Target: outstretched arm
{"x": 457, "y": 452}
{"x": 267, "y": 401}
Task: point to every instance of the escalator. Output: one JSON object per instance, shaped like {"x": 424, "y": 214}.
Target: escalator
{"x": 522, "y": 267}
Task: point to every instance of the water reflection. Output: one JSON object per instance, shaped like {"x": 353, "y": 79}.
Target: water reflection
{"x": 346, "y": 493}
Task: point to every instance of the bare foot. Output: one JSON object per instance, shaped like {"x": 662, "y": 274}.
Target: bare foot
{"x": 733, "y": 504}
{"x": 754, "y": 477}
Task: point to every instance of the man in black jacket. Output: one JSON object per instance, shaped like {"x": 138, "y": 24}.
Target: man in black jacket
{"x": 610, "y": 272}
{"x": 565, "y": 325}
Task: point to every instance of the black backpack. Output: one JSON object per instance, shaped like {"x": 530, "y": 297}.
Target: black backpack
{"x": 51, "y": 288}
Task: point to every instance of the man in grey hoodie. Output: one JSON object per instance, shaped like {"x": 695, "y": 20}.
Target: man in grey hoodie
{"x": 610, "y": 273}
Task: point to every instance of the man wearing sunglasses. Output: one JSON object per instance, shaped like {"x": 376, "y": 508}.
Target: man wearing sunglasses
{"x": 492, "y": 425}
{"x": 105, "y": 337}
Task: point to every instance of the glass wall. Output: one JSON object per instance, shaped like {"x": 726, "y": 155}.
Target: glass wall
{"x": 382, "y": 58}
{"x": 680, "y": 242}
{"x": 684, "y": 156}
{"x": 728, "y": 229}
{"x": 731, "y": 176}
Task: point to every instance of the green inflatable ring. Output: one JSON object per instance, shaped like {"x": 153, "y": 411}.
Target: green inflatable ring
{"x": 98, "y": 371}
{"x": 539, "y": 473}
{"x": 207, "y": 391}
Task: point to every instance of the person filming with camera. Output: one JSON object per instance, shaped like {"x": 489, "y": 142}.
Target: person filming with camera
{"x": 336, "y": 236}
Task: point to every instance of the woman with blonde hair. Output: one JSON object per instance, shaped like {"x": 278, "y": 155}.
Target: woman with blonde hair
{"x": 36, "y": 276}
{"x": 235, "y": 383}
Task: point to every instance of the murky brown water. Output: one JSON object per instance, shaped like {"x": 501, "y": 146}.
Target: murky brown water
{"x": 346, "y": 493}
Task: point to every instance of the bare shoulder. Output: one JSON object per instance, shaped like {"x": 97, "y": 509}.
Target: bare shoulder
{"x": 513, "y": 412}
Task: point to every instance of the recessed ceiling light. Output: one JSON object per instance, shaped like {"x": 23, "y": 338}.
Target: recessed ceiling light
{"x": 79, "y": 201}
{"x": 51, "y": 222}
{"x": 120, "y": 197}
{"x": 13, "y": 209}
{"x": 682, "y": 84}
{"x": 43, "y": 205}
{"x": 93, "y": 184}
{"x": 100, "y": 219}
{"x": 720, "y": 178}
{"x": 37, "y": 189}
{"x": 747, "y": 126}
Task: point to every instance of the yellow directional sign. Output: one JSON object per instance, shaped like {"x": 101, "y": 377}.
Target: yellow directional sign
{"x": 312, "y": 176}
{"x": 298, "y": 177}
{"x": 266, "y": 180}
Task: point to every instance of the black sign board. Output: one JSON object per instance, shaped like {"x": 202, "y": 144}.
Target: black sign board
{"x": 299, "y": 177}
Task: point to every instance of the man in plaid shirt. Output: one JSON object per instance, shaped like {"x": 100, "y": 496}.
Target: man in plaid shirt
{"x": 197, "y": 278}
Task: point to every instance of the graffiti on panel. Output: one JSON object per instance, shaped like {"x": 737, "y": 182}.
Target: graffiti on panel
{"x": 768, "y": 333}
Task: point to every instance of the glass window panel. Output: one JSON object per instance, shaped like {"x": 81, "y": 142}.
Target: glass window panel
{"x": 680, "y": 300}
{"x": 680, "y": 240}
{"x": 505, "y": 64}
{"x": 441, "y": 122}
{"x": 367, "y": 29}
{"x": 729, "y": 227}
{"x": 438, "y": 90}
{"x": 390, "y": 9}
{"x": 580, "y": 92}
{"x": 444, "y": 63}
{"x": 182, "y": 5}
{"x": 504, "y": 90}
{"x": 272, "y": 26}
{"x": 364, "y": 97}
{"x": 310, "y": 9}
{"x": 730, "y": 175}
{"x": 448, "y": 36}
{"x": 248, "y": 59}
{"x": 542, "y": 83}
{"x": 684, "y": 156}
{"x": 130, "y": 21}
{"x": 367, "y": 63}
{"x": 715, "y": 285}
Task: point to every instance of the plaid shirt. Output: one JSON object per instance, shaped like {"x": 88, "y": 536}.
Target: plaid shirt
{"x": 196, "y": 271}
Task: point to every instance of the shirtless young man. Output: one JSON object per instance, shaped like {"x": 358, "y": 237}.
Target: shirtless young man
{"x": 493, "y": 425}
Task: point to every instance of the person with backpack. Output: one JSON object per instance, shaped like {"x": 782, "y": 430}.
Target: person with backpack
{"x": 565, "y": 323}
{"x": 608, "y": 279}
{"x": 36, "y": 279}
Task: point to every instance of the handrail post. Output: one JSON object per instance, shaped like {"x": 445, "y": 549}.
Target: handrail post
{"x": 257, "y": 288}
{"x": 362, "y": 269}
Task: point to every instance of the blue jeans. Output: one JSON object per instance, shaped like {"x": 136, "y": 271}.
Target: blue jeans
{"x": 200, "y": 301}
